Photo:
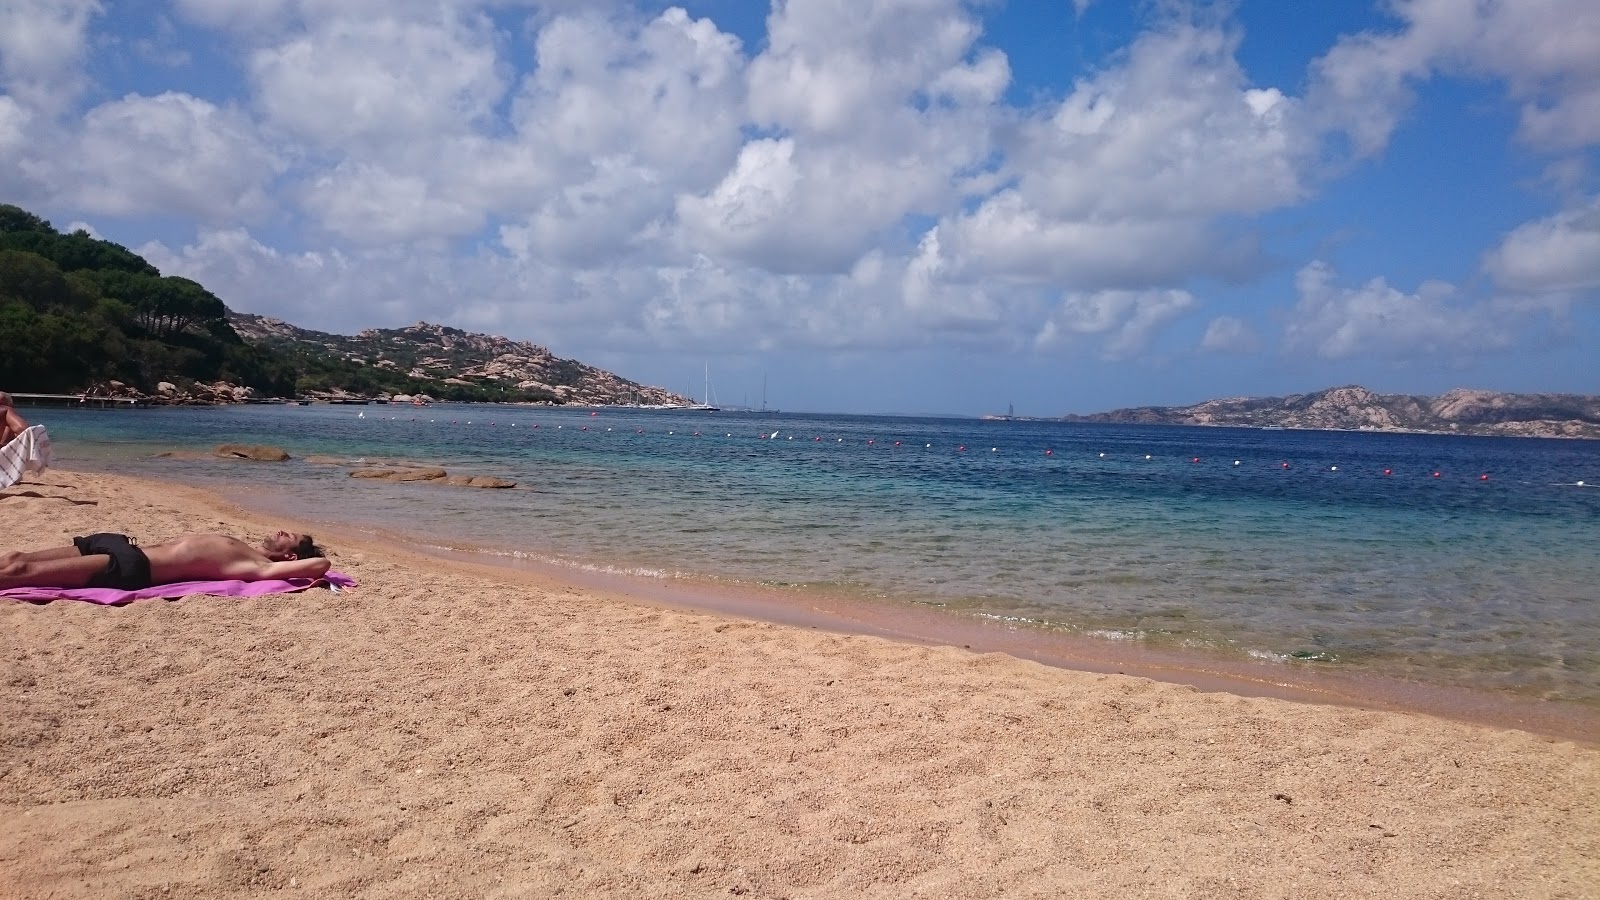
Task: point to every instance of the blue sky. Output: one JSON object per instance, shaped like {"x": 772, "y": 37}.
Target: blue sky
{"x": 920, "y": 206}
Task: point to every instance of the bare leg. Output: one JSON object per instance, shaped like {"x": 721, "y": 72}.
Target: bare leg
{"x": 51, "y": 568}
{"x": 39, "y": 555}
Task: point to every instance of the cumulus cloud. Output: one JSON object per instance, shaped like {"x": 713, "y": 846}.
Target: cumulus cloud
{"x": 171, "y": 153}
{"x": 1229, "y": 334}
{"x": 1377, "y": 321}
{"x": 1121, "y": 183}
{"x": 877, "y": 111}
{"x": 1122, "y": 322}
{"x": 1543, "y": 51}
{"x": 1560, "y": 253}
{"x": 373, "y": 85}
{"x": 627, "y": 117}
{"x": 42, "y": 43}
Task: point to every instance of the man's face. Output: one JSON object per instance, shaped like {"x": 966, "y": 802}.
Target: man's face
{"x": 282, "y": 543}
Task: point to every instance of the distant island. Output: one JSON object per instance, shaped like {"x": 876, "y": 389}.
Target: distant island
{"x": 1354, "y": 408}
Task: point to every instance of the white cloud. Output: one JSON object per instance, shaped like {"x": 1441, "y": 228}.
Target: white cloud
{"x": 1122, "y": 183}
{"x": 42, "y": 43}
{"x": 1558, "y": 253}
{"x": 1229, "y": 334}
{"x": 375, "y": 85}
{"x": 1378, "y": 321}
{"x": 1008, "y": 239}
{"x": 1123, "y": 322}
{"x": 369, "y": 204}
{"x": 1175, "y": 131}
{"x": 624, "y": 117}
{"x": 876, "y": 111}
{"x": 14, "y": 120}
{"x": 1543, "y": 50}
{"x": 172, "y": 153}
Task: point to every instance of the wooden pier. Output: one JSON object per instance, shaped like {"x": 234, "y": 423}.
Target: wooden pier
{"x": 80, "y": 400}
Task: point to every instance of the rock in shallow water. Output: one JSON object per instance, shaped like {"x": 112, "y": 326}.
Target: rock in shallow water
{"x": 251, "y": 451}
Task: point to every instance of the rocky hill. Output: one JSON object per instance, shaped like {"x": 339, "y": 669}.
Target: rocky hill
{"x": 1355, "y": 408}
{"x": 439, "y": 355}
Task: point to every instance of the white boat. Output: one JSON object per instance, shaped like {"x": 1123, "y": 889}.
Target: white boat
{"x": 707, "y": 406}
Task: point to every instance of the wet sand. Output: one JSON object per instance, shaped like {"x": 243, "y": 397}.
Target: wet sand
{"x": 453, "y": 730}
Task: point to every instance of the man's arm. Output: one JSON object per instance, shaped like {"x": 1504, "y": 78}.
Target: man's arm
{"x": 11, "y": 424}
{"x": 310, "y": 567}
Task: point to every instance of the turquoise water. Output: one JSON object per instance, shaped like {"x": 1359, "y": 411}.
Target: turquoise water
{"x": 1149, "y": 534}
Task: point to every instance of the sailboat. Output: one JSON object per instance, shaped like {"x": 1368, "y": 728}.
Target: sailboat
{"x": 707, "y": 406}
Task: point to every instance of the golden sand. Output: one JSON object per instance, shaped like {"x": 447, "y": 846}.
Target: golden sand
{"x": 444, "y": 731}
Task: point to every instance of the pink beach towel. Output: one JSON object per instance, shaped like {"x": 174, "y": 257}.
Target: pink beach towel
{"x": 334, "y": 581}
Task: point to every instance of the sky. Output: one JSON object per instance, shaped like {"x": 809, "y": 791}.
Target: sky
{"x": 875, "y": 206}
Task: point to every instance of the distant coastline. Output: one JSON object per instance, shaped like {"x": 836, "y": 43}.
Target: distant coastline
{"x": 1354, "y": 408}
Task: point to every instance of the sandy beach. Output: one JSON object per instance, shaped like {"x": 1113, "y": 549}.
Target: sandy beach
{"x": 448, "y": 731}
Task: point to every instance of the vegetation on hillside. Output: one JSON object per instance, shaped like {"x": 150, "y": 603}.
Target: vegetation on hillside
{"x": 77, "y": 311}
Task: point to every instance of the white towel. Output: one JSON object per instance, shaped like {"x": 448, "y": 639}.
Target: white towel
{"x": 27, "y": 452}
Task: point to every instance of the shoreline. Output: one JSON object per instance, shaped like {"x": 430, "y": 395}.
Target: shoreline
{"x": 921, "y": 624}
{"x": 452, "y": 730}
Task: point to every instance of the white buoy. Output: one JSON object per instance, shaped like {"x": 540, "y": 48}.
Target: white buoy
{"x": 994, "y": 449}
{"x": 1333, "y": 468}
{"x": 1147, "y": 456}
{"x": 1102, "y": 456}
{"x": 1236, "y": 462}
{"x": 930, "y": 445}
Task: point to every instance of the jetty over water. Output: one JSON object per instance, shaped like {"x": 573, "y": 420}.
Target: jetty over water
{"x": 80, "y": 400}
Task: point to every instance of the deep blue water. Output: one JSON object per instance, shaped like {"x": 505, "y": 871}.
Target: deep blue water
{"x": 1291, "y": 545}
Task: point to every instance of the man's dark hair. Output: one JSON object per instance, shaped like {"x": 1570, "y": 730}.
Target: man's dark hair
{"x": 307, "y": 549}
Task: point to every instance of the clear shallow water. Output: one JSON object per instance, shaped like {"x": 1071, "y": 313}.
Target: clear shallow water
{"x": 1447, "y": 580}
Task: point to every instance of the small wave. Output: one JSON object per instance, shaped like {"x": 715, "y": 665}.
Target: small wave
{"x": 1112, "y": 634}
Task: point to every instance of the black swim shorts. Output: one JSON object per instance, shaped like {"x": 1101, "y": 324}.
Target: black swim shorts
{"x": 129, "y": 569}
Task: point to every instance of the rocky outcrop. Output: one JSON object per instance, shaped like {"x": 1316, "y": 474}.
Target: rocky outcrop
{"x": 432, "y": 475}
{"x": 450, "y": 356}
{"x": 1354, "y": 408}
{"x": 255, "y": 452}
{"x": 479, "y": 481}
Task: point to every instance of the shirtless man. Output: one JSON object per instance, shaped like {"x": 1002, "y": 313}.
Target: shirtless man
{"x": 113, "y": 561}
{"x": 11, "y": 424}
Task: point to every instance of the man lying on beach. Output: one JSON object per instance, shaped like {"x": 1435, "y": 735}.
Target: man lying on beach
{"x": 113, "y": 561}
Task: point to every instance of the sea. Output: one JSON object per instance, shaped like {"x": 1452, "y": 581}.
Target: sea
{"x": 1436, "y": 560}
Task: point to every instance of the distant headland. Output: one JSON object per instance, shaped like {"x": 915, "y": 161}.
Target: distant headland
{"x": 1354, "y": 408}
